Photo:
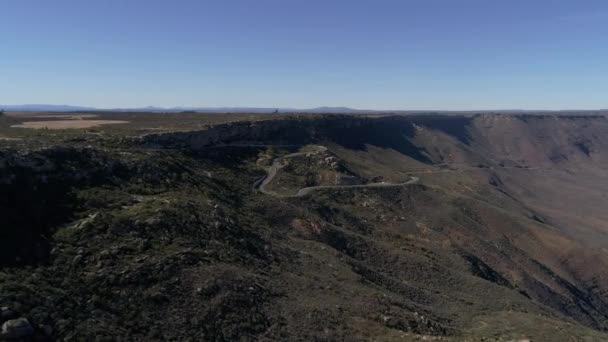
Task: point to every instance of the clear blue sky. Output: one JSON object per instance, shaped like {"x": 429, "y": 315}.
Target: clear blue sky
{"x": 402, "y": 54}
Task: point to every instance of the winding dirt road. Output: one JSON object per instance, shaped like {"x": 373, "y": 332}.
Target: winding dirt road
{"x": 277, "y": 164}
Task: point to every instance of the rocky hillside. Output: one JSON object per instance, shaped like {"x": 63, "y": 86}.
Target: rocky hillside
{"x": 165, "y": 237}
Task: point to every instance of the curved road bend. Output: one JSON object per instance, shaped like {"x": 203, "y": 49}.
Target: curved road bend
{"x": 277, "y": 165}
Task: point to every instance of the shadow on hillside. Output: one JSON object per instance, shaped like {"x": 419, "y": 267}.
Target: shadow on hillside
{"x": 397, "y": 132}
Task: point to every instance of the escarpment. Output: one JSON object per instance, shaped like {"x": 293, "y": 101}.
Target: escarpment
{"x": 443, "y": 227}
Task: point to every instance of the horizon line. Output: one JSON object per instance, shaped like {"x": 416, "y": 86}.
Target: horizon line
{"x": 67, "y": 107}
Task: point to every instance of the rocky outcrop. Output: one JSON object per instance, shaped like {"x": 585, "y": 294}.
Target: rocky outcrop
{"x": 17, "y": 329}
{"x": 506, "y": 140}
{"x": 349, "y": 131}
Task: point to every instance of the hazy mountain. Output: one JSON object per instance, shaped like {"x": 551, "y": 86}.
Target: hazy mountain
{"x": 261, "y": 110}
{"x": 68, "y": 108}
{"x": 44, "y": 108}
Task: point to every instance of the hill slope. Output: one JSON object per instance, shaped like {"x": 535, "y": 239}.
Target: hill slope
{"x": 164, "y": 237}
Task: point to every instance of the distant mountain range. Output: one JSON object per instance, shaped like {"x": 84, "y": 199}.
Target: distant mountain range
{"x": 327, "y": 110}
{"x": 43, "y": 107}
{"x": 69, "y": 108}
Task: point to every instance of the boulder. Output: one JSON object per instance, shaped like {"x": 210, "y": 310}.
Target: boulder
{"x": 7, "y": 314}
{"x": 17, "y": 329}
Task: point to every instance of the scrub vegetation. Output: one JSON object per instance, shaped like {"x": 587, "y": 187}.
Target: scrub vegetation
{"x": 156, "y": 229}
